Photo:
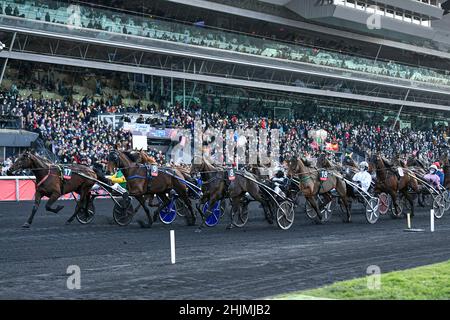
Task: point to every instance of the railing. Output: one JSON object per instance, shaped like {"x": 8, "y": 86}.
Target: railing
{"x": 77, "y": 18}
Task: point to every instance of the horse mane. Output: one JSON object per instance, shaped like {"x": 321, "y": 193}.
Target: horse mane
{"x": 306, "y": 162}
{"x": 132, "y": 157}
{"x": 42, "y": 159}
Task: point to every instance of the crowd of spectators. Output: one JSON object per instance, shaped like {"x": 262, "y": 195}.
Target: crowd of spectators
{"x": 117, "y": 22}
{"x": 73, "y": 133}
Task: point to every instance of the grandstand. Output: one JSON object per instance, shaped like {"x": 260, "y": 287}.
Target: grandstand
{"x": 71, "y": 67}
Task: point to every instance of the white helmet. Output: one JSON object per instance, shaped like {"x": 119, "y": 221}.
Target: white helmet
{"x": 433, "y": 166}
{"x": 364, "y": 165}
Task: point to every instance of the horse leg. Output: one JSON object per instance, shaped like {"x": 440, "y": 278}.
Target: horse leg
{"x": 410, "y": 200}
{"x": 37, "y": 201}
{"x": 266, "y": 206}
{"x": 393, "y": 195}
{"x": 315, "y": 206}
{"x": 164, "y": 203}
{"x": 212, "y": 201}
{"x": 82, "y": 203}
{"x": 142, "y": 200}
{"x": 53, "y": 198}
{"x": 342, "y": 191}
{"x": 235, "y": 205}
{"x": 184, "y": 197}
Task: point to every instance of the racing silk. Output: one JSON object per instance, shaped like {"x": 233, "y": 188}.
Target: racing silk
{"x": 364, "y": 178}
{"x": 119, "y": 178}
{"x": 433, "y": 179}
{"x": 440, "y": 174}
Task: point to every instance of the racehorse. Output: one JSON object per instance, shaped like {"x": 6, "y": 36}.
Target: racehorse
{"x": 445, "y": 164}
{"x": 311, "y": 186}
{"x": 216, "y": 186}
{"x": 51, "y": 183}
{"x": 387, "y": 181}
{"x": 140, "y": 184}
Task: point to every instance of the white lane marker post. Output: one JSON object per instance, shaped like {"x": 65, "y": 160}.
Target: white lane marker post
{"x": 432, "y": 220}
{"x": 410, "y": 229}
{"x": 172, "y": 246}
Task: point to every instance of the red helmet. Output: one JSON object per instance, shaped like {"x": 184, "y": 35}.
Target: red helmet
{"x": 437, "y": 164}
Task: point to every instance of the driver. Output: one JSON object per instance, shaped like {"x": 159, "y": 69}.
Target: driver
{"x": 432, "y": 176}
{"x": 363, "y": 178}
{"x": 279, "y": 180}
{"x": 120, "y": 184}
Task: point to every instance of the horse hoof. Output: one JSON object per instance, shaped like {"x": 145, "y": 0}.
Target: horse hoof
{"x": 26, "y": 225}
{"x": 229, "y": 227}
{"x": 68, "y": 222}
{"x": 198, "y": 230}
{"x": 191, "y": 223}
{"x": 142, "y": 224}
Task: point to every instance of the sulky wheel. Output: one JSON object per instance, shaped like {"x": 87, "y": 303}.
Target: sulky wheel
{"x": 123, "y": 215}
{"x": 326, "y": 211}
{"x": 438, "y": 206}
{"x": 86, "y": 216}
{"x": 168, "y": 214}
{"x": 285, "y": 215}
{"x": 384, "y": 203}
{"x": 372, "y": 210}
{"x": 213, "y": 216}
{"x": 182, "y": 210}
{"x": 401, "y": 205}
{"x": 310, "y": 212}
{"x": 240, "y": 217}
{"x": 446, "y": 196}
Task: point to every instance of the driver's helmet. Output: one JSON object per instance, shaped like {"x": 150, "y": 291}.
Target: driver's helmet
{"x": 279, "y": 174}
{"x": 363, "y": 165}
{"x": 433, "y": 167}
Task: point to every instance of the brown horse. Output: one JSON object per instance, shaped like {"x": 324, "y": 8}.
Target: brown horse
{"x": 51, "y": 183}
{"x": 140, "y": 184}
{"x": 311, "y": 186}
{"x": 214, "y": 184}
{"x": 387, "y": 181}
{"x": 445, "y": 164}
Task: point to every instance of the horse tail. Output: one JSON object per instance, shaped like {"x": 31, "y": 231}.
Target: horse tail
{"x": 100, "y": 175}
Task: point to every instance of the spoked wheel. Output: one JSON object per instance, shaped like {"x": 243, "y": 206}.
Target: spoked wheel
{"x": 384, "y": 203}
{"x": 372, "y": 211}
{"x": 168, "y": 214}
{"x": 310, "y": 212}
{"x": 400, "y": 205}
{"x": 285, "y": 215}
{"x": 213, "y": 216}
{"x": 123, "y": 215}
{"x": 438, "y": 206}
{"x": 446, "y": 196}
{"x": 86, "y": 216}
{"x": 240, "y": 217}
{"x": 325, "y": 212}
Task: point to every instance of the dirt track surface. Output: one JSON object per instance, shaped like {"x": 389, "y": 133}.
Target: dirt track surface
{"x": 257, "y": 261}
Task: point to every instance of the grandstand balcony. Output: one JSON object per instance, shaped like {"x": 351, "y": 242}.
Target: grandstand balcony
{"x": 201, "y": 52}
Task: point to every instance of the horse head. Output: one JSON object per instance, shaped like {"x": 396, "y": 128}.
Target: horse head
{"x": 113, "y": 161}
{"x": 293, "y": 166}
{"x": 24, "y": 161}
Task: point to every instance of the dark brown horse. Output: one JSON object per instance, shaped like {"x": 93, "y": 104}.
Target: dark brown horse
{"x": 445, "y": 164}
{"x": 141, "y": 185}
{"x": 214, "y": 184}
{"x": 387, "y": 181}
{"x": 311, "y": 186}
{"x": 51, "y": 183}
